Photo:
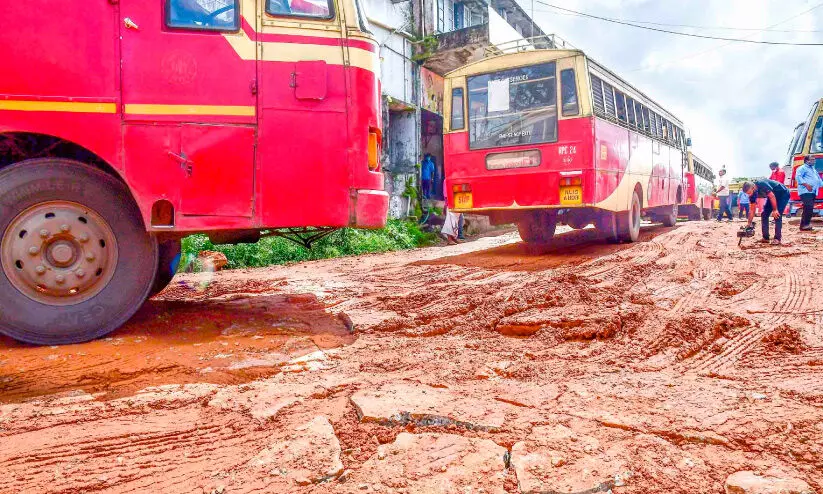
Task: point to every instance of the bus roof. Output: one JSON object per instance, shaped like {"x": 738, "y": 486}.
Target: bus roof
{"x": 530, "y": 57}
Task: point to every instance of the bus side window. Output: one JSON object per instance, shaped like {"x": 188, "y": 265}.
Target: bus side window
{"x": 647, "y": 123}
{"x": 621, "y": 105}
{"x": 630, "y": 109}
{"x": 568, "y": 93}
{"x": 597, "y": 95}
{"x": 608, "y": 99}
{"x": 321, "y": 9}
{"x": 206, "y": 15}
{"x": 817, "y": 137}
{"x": 458, "y": 122}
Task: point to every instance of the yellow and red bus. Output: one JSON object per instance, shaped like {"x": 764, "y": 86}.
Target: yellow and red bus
{"x": 543, "y": 137}
{"x": 807, "y": 141}
{"x": 699, "y": 183}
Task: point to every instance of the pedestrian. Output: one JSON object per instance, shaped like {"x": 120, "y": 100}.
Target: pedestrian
{"x": 777, "y": 197}
{"x": 451, "y": 226}
{"x": 743, "y": 204}
{"x": 427, "y": 170}
{"x": 723, "y": 195}
{"x": 777, "y": 175}
{"x": 808, "y": 183}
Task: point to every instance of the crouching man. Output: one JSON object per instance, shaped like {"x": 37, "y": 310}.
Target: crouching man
{"x": 777, "y": 197}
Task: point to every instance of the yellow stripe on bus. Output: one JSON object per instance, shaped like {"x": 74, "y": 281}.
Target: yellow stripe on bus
{"x": 58, "y": 106}
{"x": 220, "y": 110}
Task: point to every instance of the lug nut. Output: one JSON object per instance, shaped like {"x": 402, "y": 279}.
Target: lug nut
{"x": 33, "y": 250}
{"x": 40, "y": 269}
{"x": 64, "y": 228}
{"x": 44, "y": 233}
{"x": 90, "y": 257}
{"x": 84, "y": 237}
{"x": 59, "y": 278}
{"x": 80, "y": 273}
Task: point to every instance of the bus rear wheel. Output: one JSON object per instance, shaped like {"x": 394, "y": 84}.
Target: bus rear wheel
{"x": 628, "y": 222}
{"x": 76, "y": 260}
{"x": 669, "y": 218}
{"x": 537, "y": 227}
{"x": 168, "y": 262}
{"x": 707, "y": 214}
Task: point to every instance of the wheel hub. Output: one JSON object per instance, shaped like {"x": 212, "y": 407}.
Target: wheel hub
{"x": 59, "y": 253}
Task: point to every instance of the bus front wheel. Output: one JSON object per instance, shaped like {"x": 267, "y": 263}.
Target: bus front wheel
{"x": 628, "y": 222}
{"x": 75, "y": 259}
{"x": 537, "y": 227}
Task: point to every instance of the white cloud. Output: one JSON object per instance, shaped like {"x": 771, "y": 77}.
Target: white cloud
{"x": 740, "y": 102}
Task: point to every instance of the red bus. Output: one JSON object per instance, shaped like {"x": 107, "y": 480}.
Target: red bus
{"x": 125, "y": 125}
{"x": 807, "y": 141}
{"x": 699, "y": 182}
{"x": 544, "y": 137}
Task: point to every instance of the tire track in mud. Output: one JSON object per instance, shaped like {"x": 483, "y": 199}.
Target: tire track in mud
{"x": 796, "y": 297}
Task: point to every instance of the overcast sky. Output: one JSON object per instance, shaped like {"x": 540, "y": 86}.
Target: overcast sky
{"x": 740, "y": 102}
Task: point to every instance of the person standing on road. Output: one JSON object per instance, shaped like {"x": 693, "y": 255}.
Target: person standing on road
{"x": 742, "y": 204}
{"x": 777, "y": 197}
{"x": 427, "y": 176}
{"x": 777, "y": 175}
{"x": 808, "y": 182}
{"x": 723, "y": 195}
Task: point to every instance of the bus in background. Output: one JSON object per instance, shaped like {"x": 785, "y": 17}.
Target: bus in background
{"x": 699, "y": 183}
{"x": 545, "y": 137}
{"x": 233, "y": 118}
{"x": 807, "y": 141}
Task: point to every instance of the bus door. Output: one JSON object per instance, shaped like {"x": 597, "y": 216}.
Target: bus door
{"x": 189, "y": 97}
{"x": 303, "y": 122}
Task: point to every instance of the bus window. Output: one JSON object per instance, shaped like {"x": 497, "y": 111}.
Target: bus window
{"x": 608, "y": 99}
{"x": 513, "y": 107}
{"x": 817, "y": 137}
{"x": 653, "y": 123}
{"x": 647, "y": 123}
{"x": 659, "y": 126}
{"x": 220, "y": 15}
{"x": 568, "y": 91}
{"x": 597, "y": 95}
{"x": 320, "y": 9}
{"x": 458, "y": 120}
{"x": 620, "y": 99}
{"x": 630, "y": 110}
{"x": 665, "y": 130}
{"x": 798, "y": 147}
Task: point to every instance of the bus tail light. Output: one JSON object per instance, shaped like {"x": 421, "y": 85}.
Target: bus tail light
{"x": 462, "y": 188}
{"x": 374, "y": 148}
{"x": 567, "y": 181}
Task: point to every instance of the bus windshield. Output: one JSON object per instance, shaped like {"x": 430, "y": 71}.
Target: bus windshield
{"x": 513, "y": 107}
{"x": 793, "y": 144}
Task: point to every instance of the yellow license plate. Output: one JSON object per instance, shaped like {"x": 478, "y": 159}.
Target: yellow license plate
{"x": 462, "y": 200}
{"x": 571, "y": 195}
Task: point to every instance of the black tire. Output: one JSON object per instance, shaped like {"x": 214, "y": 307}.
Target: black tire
{"x": 537, "y": 228}
{"x": 39, "y": 181}
{"x": 669, "y": 218}
{"x": 707, "y": 214}
{"x": 628, "y": 222}
{"x": 167, "y": 264}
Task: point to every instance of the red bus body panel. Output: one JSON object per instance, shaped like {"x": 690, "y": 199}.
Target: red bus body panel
{"x": 231, "y": 139}
{"x": 608, "y": 157}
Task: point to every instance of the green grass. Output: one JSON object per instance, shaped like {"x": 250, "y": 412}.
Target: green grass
{"x": 397, "y": 235}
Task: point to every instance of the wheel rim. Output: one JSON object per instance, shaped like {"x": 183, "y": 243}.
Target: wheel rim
{"x": 59, "y": 253}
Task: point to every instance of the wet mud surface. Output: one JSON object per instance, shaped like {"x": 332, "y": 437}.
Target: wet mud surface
{"x": 669, "y": 365}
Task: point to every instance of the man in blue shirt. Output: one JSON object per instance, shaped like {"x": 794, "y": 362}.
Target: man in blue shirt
{"x": 808, "y": 182}
{"x": 742, "y": 204}
{"x": 427, "y": 175}
{"x": 777, "y": 197}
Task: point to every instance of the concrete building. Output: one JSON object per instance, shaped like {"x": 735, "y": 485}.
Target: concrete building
{"x": 420, "y": 41}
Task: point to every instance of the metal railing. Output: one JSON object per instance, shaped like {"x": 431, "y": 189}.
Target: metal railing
{"x": 542, "y": 42}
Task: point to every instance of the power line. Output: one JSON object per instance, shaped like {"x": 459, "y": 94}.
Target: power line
{"x": 678, "y": 33}
{"x": 695, "y": 26}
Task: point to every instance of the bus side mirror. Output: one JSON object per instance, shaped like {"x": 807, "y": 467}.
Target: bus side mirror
{"x": 688, "y": 142}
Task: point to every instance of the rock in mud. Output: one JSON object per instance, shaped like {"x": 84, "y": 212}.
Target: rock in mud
{"x": 422, "y": 405}
{"x": 262, "y": 400}
{"x": 752, "y": 483}
{"x": 309, "y": 456}
{"x": 212, "y": 260}
{"x": 442, "y": 463}
{"x": 557, "y": 459}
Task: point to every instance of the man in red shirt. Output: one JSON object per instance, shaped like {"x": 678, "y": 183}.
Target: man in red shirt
{"x": 777, "y": 175}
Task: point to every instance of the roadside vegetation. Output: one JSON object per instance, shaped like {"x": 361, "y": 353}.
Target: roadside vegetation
{"x": 397, "y": 235}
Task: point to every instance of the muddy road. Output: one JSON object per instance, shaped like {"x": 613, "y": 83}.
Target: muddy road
{"x": 679, "y": 364}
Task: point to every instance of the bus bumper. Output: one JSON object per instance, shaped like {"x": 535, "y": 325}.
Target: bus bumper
{"x": 371, "y": 207}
